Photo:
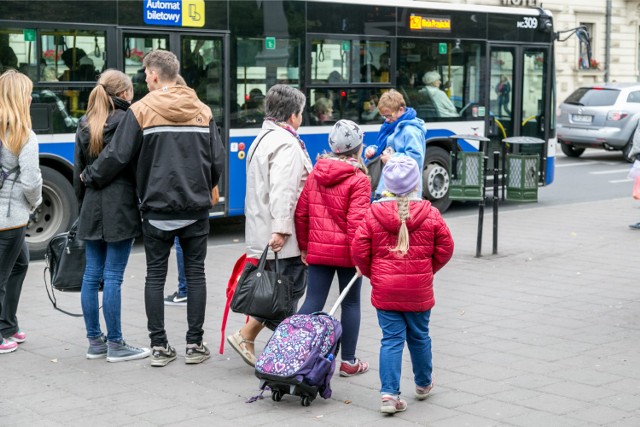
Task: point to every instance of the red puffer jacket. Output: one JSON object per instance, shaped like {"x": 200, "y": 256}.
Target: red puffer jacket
{"x": 334, "y": 200}
{"x": 402, "y": 283}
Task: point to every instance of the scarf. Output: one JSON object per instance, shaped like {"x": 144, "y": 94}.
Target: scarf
{"x": 286, "y": 126}
{"x": 388, "y": 128}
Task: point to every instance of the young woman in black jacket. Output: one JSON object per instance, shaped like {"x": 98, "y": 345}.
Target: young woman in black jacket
{"x": 109, "y": 220}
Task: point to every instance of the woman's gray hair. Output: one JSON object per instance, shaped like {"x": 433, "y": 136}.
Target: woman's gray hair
{"x": 282, "y": 101}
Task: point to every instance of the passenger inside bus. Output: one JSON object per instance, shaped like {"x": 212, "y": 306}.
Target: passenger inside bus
{"x": 8, "y": 58}
{"x": 79, "y": 66}
{"x": 437, "y": 103}
{"x": 322, "y": 111}
{"x": 253, "y": 108}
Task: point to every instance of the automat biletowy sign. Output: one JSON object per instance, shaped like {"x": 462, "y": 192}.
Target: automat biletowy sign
{"x": 175, "y": 13}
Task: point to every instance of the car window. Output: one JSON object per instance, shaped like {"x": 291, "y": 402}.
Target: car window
{"x": 593, "y": 97}
{"x": 634, "y": 97}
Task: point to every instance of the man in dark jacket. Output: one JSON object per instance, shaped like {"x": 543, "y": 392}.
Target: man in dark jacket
{"x": 173, "y": 142}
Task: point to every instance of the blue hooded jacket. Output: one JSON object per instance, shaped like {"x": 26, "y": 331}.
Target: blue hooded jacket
{"x": 408, "y": 139}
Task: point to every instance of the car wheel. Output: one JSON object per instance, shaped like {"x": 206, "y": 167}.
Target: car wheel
{"x": 627, "y": 149}
{"x": 570, "y": 150}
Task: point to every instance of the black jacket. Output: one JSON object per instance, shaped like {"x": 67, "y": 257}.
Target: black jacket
{"x": 110, "y": 213}
{"x": 173, "y": 142}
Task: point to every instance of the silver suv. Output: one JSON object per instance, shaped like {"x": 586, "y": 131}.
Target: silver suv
{"x": 601, "y": 116}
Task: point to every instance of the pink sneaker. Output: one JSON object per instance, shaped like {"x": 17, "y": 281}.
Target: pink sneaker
{"x": 8, "y": 346}
{"x": 350, "y": 369}
{"x": 18, "y": 337}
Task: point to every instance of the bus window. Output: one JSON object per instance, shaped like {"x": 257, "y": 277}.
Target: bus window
{"x": 18, "y": 54}
{"x": 440, "y": 79}
{"x": 370, "y": 61}
{"x": 257, "y": 69}
{"x": 501, "y": 93}
{"x": 72, "y": 55}
{"x": 330, "y": 61}
{"x": 201, "y": 67}
{"x": 135, "y": 46}
{"x": 533, "y": 92}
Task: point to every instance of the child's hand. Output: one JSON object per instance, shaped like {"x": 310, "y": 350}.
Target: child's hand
{"x": 370, "y": 151}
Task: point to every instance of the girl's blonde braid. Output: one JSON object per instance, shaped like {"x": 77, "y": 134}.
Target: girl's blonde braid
{"x": 403, "y": 233}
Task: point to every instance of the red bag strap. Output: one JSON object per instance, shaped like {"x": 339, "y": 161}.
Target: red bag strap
{"x": 231, "y": 288}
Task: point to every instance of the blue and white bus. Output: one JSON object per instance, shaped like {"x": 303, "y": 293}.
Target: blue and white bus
{"x": 341, "y": 54}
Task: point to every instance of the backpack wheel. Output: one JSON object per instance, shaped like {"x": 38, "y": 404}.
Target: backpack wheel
{"x": 305, "y": 401}
{"x": 276, "y": 395}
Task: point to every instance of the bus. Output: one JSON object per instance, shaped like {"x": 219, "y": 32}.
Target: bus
{"x": 495, "y": 65}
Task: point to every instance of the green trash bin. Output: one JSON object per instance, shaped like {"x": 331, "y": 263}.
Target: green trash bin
{"x": 469, "y": 176}
{"x": 523, "y": 168}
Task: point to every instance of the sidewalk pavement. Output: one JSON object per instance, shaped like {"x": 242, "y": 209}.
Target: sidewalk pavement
{"x": 546, "y": 333}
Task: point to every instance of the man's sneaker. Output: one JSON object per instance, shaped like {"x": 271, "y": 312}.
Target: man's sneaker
{"x": 391, "y": 404}
{"x": 18, "y": 337}
{"x": 423, "y": 392}
{"x": 196, "y": 353}
{"x": 7, "y": 346}
{"x": 161, "y": 356}
{"x": 121, "y": 352}
{"x": 350, "y": 369}
{"x": 175, "y": 299}
{"x": 97, "y": 348}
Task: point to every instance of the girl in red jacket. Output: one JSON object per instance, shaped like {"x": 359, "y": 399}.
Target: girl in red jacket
{"x": 402, "y": 242}
{"x": 334, "y": 200}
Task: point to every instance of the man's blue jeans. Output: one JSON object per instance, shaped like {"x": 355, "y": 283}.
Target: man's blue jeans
{"x": 105, "y": 261}
{"x": 182, "y": 280}
{"x": 398, "y": 327}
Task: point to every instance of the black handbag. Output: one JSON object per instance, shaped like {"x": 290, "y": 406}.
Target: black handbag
{"x": 65, "y": 260}
{"x": 263, "y": 293}
{"x": 374, "y": 168}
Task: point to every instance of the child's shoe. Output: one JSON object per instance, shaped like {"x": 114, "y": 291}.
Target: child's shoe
{"x": 350, "y": 369}
{"x": 7, "y": 346}
{"x": 423, "y": 392}
{"x": 18, "y": 337}
{"x": 392, "y": 404}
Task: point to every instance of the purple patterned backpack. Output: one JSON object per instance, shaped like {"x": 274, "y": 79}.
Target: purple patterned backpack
{"x": 302, "y": 350}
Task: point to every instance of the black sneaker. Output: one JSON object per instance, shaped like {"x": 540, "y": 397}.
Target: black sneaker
{"x": 175, "y": 299}
{"x": 196, "y": 353}
{"x": 161, "y": 356}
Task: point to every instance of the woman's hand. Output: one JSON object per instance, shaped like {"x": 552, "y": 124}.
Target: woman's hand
{"x": 277, "y": 241}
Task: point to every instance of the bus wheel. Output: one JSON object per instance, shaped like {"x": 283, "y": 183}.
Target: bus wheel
{"x": 54, "y": 215}
{"x": 435, "y": 178}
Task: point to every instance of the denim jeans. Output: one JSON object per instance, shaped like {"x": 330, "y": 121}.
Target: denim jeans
{"x": 398, "y": 327}
{"x": 14, "y": 262}
{"x": 157, "y": 247}
{"x": 318, "y": 284}
{"x": 106, "y": 261}
{"x": 182, "y": 280}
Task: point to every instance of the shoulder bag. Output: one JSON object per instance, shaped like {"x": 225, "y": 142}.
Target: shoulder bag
{"x": 65, "y": 260}
{"x": 263, "y": 293}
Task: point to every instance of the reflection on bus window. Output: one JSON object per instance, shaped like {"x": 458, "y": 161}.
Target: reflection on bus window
{"x": 77, "y": 55}
{"x": 135, "y": 46}
{"x": 458, "y": 69}
{"x": 257, "y": 68}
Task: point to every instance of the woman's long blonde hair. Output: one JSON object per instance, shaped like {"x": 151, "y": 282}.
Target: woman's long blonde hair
{"x": 403, "y": 233}
{"x": 111, "y": 83}
{"x": 15, "y": 120}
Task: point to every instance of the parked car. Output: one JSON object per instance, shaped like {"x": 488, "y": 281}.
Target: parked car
{"x": 602, "y": 116}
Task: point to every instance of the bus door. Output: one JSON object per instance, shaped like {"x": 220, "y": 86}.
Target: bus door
{"x": 519, "y": 93}
{"x": 202, "y": 66}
